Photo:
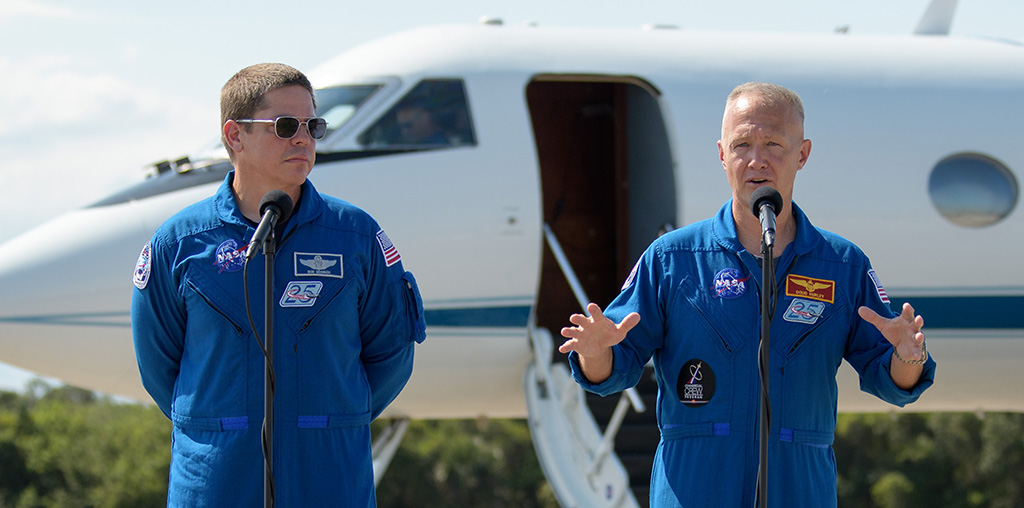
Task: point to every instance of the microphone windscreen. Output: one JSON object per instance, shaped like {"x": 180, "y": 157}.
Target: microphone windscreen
{"x": 765, "y": 195}
{"x": 280, "y": 200}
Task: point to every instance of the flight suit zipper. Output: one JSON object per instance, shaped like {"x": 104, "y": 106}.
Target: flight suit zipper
{"x": 214, "y": 307}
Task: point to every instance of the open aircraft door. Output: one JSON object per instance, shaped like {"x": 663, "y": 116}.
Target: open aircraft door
{"x": 608, "y": 190}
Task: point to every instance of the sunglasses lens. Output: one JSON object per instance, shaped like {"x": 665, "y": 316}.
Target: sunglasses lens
{"x": 286, "y": 126}
{"x": 317, "y": 128}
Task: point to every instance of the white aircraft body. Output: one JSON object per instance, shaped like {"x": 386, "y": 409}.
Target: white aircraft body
{"x": 565, "y": 152}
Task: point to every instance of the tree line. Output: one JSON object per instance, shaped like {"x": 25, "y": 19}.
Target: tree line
{"x": 65, "y": 447}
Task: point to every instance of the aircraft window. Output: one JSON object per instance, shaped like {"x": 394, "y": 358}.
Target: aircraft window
{"x": 338, "y": 104}
{"x": 433, "y": 115}
{"x": 973, "y": 190}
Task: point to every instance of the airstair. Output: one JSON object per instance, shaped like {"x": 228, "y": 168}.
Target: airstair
{"x": 578, "y": 452}
{"x": 385, "y": 445}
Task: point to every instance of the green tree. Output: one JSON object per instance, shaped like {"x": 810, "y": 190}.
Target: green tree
{"x": 72, "y": 448}
{"x": 459, "y": 463}
{"x": 950, "y": 460}
{"x": 69, "y": 448}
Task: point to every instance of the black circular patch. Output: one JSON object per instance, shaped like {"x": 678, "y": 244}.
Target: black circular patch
{"x": 696, "y": 383}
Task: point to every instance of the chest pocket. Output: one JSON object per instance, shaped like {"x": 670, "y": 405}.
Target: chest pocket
{"x": 807, "y": 356}
{"x": 212, "y": 379}
{"x": 697, "y": 364}
{"x": 819, "y": 328}
{"x": 330, "y": 378}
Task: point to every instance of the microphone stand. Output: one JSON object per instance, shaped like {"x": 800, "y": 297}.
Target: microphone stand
{"x": 269, "y": 249}
{"x": 767, "y": 293}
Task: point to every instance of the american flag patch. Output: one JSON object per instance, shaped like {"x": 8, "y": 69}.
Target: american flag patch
{"x": 878, "y": 286}
{"x": 391, "y": 255}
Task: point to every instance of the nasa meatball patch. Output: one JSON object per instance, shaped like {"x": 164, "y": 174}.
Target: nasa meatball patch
{"x": 730, "y": 283}
{"x": 230, "y": 257}
{"x": 142, "y": 266}
{"x": 696, "y": 384}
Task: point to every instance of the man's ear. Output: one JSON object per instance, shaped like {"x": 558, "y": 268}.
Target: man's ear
{"x": 232, "y": 134}
{"x": 805, "y": 152}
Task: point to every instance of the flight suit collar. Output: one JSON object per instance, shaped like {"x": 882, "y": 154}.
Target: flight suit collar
{"x": 723, "y": 229}
{"x": 226, "y": 207}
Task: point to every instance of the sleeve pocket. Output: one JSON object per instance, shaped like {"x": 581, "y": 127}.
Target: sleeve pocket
{"x": 414, "y": 307}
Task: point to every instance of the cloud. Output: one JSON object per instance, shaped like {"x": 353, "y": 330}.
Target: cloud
{"x": 47, "y": 92}
{"x": 11, "y": 10}
{"x": 71, "y": 135}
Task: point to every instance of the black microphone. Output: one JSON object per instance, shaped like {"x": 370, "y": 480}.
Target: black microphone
{"x": 276, "y": 206}
{"x": 765, "y": 203}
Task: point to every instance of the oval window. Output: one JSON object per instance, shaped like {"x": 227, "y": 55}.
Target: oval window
{"x": 972, "y": 190}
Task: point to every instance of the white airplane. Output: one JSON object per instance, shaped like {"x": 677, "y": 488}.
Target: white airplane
{"x": 564, "y": 152}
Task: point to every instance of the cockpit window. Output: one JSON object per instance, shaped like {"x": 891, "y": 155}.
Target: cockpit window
{"x": 338, "y": 104}
{"x": 433, "y": 115}
{"x": 973, "y": 190}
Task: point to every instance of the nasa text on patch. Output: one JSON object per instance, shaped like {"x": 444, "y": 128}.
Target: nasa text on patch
{"x": 230, "y": 257}
{"x": 311, "y": 264}
{"x": 811, "y": 288}
{"x": 730, "y": 283}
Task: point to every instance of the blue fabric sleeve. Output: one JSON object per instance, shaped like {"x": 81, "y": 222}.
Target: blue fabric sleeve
{"x": 870, "y": 354}
{"x": 391, "y": 323}
{"x": 158, "y": 327}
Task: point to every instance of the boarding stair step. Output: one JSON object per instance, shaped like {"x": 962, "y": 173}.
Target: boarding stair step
{"x": 637, "y": 440}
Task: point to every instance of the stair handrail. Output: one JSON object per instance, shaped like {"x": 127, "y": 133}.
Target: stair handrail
{"x": 582, "y": 299}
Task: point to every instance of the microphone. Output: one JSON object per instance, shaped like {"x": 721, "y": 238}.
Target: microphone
{"x": 276, "y": 206}
{"x": 765, "y": 203}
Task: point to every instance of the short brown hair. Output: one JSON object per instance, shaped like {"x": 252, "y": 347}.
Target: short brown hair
{"x": 243, "y": 94}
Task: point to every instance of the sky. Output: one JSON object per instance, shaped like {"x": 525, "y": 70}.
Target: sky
{"x": 93, "y": 92}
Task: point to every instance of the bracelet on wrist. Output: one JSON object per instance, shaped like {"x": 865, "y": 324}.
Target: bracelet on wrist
{"x": 924, "y": 356}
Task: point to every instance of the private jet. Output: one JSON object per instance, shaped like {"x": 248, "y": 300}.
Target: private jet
{"x": 561, "y": 153}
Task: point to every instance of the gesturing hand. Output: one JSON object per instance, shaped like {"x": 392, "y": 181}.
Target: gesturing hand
{"x": 903, "y": 331}
{"x": 593, "y": 335}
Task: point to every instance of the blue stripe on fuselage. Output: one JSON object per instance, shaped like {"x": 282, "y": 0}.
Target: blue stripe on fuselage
{"x": 984, "y": 312}
{"x": 940, "y": 312}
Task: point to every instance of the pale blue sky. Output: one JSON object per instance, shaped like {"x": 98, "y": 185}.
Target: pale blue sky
{"x": 92, "y": 92}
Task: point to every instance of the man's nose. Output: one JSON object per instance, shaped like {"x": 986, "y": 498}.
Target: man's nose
{"x": 302, "y": 136}
{"x": 758, "y": 158}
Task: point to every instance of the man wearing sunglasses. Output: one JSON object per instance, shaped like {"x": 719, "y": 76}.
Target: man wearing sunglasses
{"x": 346, "y": 318}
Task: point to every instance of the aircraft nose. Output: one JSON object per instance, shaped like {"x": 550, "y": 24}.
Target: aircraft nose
{"x": 65, "y": 288}
{"x": 80, "y": 262}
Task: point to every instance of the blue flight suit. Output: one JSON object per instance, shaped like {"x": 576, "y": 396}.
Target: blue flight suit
{"x": 347, "y": 316}
{"x": 697, "y": 291}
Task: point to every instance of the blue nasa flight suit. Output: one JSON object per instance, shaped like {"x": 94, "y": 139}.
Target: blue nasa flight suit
{"x": 347, "y": 316}
{"x": 697, "y": 291}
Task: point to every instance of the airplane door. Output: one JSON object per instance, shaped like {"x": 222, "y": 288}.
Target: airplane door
{"x": 607, "y": 182}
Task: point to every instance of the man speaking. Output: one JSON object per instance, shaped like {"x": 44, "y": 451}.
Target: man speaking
{"x": 692, "y": 303}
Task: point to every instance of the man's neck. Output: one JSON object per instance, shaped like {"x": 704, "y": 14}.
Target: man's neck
{"x": 748, "y": 228}
{"x": 248, "y": 196}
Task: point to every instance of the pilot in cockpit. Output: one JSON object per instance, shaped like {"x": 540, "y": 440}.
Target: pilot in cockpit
{"x": 417, "y": 125}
